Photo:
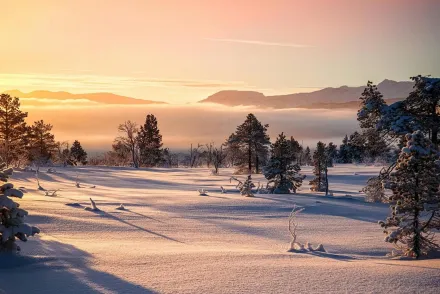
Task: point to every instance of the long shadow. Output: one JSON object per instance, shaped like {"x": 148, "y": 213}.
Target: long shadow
{"x": 409, "y": 265}
{"x": 58, "y": 268}
{"x": 143, "y": 215}
{"x": 106, "y": 214}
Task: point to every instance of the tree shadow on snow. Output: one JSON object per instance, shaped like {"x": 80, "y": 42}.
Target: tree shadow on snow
{"x": 55, "y": 267}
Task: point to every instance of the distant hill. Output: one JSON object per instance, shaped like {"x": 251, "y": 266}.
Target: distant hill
{"x": 342, "y": 97}
{"x": 105, "y": 98}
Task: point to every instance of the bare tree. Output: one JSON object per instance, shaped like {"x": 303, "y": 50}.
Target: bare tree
{"x": 129, "y": 132}
{"x": 194, "y": 154}
{"x": 218, "y": 158}
{"x": 209, "y": 154}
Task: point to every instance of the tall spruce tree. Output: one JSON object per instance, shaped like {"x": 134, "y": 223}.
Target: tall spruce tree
{"x": 77, "y": 153}
{"x": 416, "y": 198}
{"x": 282, "y": 172}
{"x": 149, "y": 142}
{"x": 253, "y": 138}
{"x": 320, "y": 161}
{"x": 332, "y": 153}
{"x": 12, "y": 129}
{"x": 41, "y": 142}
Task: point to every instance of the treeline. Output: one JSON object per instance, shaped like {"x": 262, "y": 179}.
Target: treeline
{"x": 22, "y": 144}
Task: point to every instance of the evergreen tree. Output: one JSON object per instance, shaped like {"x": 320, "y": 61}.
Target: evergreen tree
{"x": 149, "y": 142}
{"x": 423, "y": 105}
{"x": 416, "y": 198}
{"x": 253, "y": 138}
{"x": 320, "y": 161}
{"x": 77, "y": 153}
{"x": 332, "y": 153}
{"x": 372, "y": 106}
{"x": 419, "y": 111}
{"x": 307, "y": 156}
{"x": 233, "y": 151}
{"x": 344, "y": 151}
{"x": 12, "y": 216}
{"x": 295, "y": 150}
{"x": 41, "y": 142}
{"x": 356, "y": 147}
{"x": 12, "y": 128}
{"x": 246, "y": 189}
{"x": 281, "y": 172}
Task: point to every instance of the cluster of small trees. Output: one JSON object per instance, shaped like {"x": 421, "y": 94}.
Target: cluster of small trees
{"x": 21, "y": 143}
{"x": 137, "y": 146}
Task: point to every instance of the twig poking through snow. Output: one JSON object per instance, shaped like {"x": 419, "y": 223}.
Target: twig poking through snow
{"x": 92, "y": 206}
{"x": 202, "y": 192}
{"x": 120, "y": 207}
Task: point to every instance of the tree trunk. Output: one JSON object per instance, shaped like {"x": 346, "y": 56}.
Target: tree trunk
{"x": 257, "y": 164}
{"x": 326, "y": 181}
{"x": 416, "y": 240}
{"x": 434, "y": 135}
{"x": 250, "y": 158}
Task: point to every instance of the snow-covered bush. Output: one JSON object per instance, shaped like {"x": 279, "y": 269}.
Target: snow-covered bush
{"x": 416, "y": 198}
{"x": 12, "y": 223}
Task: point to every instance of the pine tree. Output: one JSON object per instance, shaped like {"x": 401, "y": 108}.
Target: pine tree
{"x": 77, "y": 153}
{"x": 344, "y": 152}
{"x": 307, "y": 156}
{"x": 332, "y": 153}
{"x": 149, "y": 142}
{"x": 233, "y": 151}
{"x": 372, "y": 106}
{"x": 12, "y": 128}
{"x": 320, "y": 161}
{"x": 295, "y": 150}
{"x": 246, "y": 188}
{"x": 423, "y": 105}
{"x": 356, "y": 147}
{"x": 253, "y": 138}
{"x": 12, "y": 217}
{"x": 41, "y": 142}
{"x": 281, "y": 172}
{"x": 416, "y": 198}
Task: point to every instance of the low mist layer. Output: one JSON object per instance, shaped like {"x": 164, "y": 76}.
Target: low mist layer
{"x": 95, "y": 125}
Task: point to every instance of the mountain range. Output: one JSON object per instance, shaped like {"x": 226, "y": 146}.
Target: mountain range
{"x": 106, "y": 98}
{"x": 329, "y": 98}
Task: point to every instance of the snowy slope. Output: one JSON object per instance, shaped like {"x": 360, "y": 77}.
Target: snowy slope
{"x": 171, "y": 240}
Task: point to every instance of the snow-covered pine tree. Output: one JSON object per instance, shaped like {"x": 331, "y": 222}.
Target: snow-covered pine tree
{"x": 372, "y": 106}
{"x": 416, "y": 198}
{"x": 281, "y": 172}
{"x": 12, "y": 223}
{"x": 246, "y": 188}
{"x": 77, "y": 153}
{"x": 150, "y": 142}
{"x": 320, "y": 161}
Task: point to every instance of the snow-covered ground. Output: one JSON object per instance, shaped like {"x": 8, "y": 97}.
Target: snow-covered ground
{"x": 171, "y": 240}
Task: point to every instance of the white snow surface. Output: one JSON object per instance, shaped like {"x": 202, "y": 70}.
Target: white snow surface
{"x": 170, "y": 240}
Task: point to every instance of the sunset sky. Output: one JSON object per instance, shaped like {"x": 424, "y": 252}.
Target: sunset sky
{"x": 182, "y": 51}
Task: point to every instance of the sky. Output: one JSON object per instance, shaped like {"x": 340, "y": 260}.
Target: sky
{"x": 183, "y": 51}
